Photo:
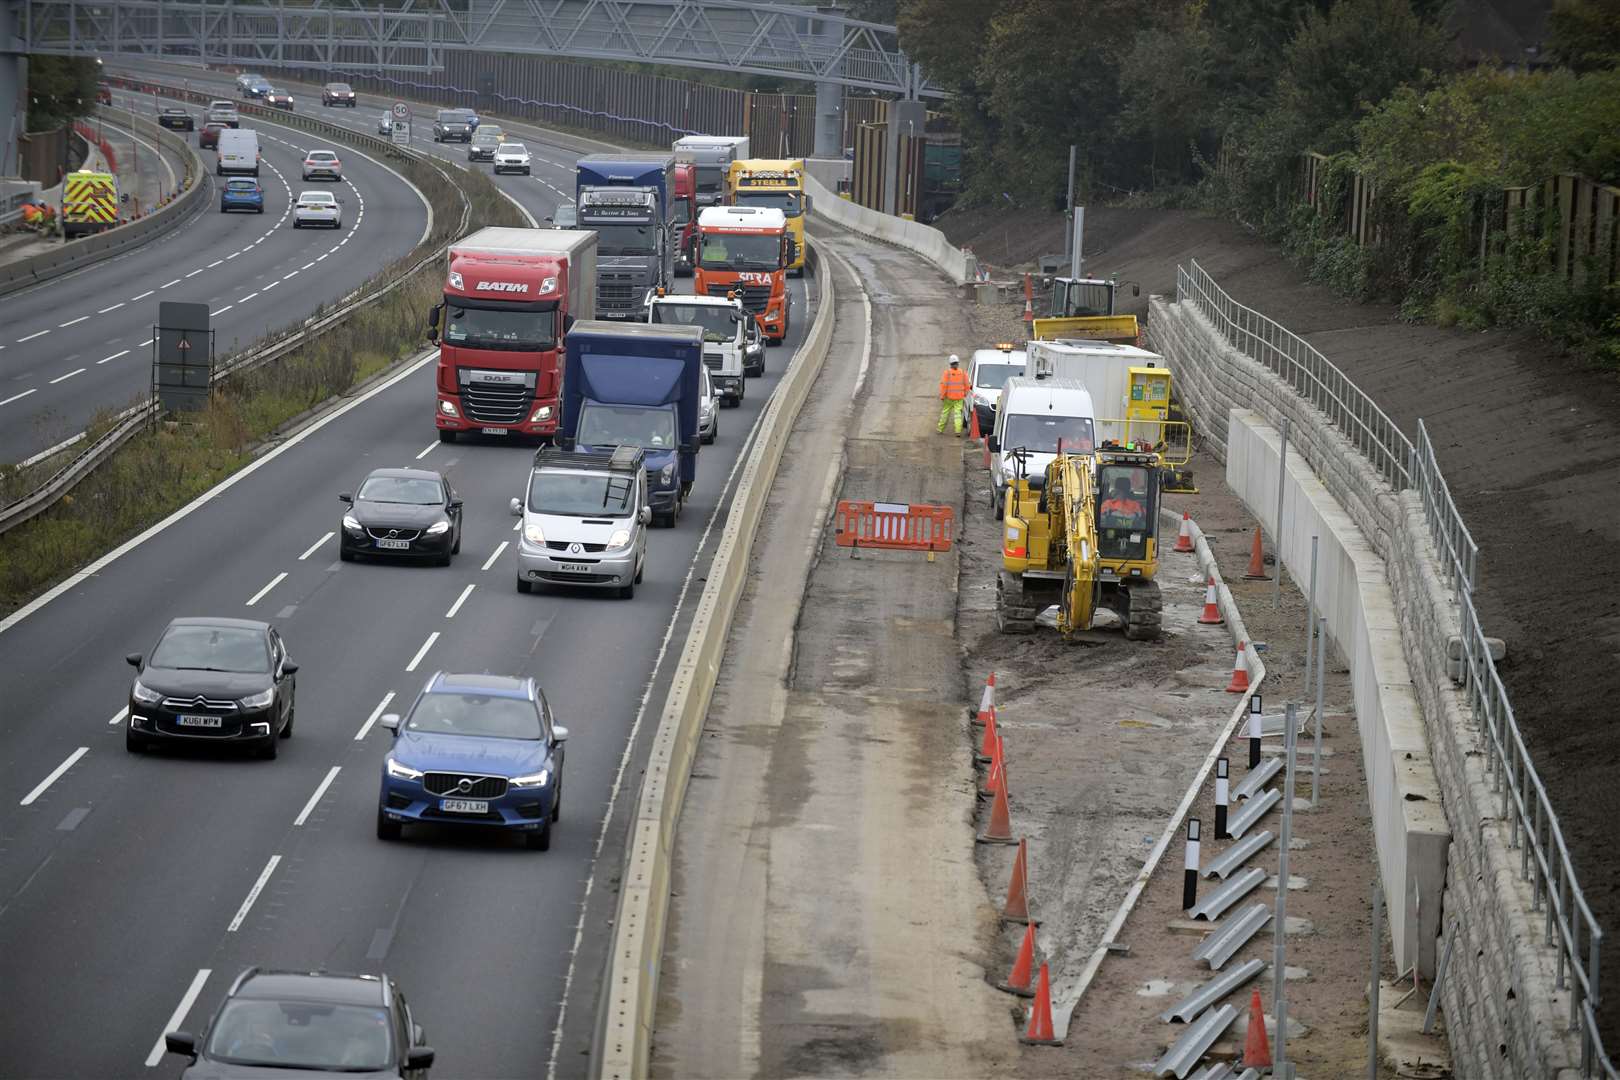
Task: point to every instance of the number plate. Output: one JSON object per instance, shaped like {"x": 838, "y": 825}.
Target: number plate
{"x": 197, "y": 721}
{"x": 575, "y": 568}
{"x": 497, "y": 431}
{"x": 394, "y": 545}
{"x": 464, "y": 806}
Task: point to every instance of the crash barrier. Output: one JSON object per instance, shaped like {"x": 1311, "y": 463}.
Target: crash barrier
{"x": 927, "y": 241}
{"x": 104, "y": 245}
{"x": 624, "y": 1037}
{"x": 896, "y": 526}
{"x": 1509, "y": 882}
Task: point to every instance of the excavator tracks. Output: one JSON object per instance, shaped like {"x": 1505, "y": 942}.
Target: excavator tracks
{"x": 1015, "y": 608}
{"x": 1143, "y": 610}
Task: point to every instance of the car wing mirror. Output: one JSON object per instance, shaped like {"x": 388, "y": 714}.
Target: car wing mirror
{"x": 390, "y": 721}
{"x": 134, "y": 659}
{"x": 455, "y": 504}
{"x": 645, "y": 516}
{"x": 559, "y": 733}
{"x": 419, "y": 1057}
{"x": 180, "y": 1042}
{"x": 346, "y": 497}
{"x": 516, "y": 507}
{"x": 289, "y": 667}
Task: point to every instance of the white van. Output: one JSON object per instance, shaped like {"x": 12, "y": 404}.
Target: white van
{"x": 1034, "y": 416}
{"x": 238, "y": 152}
{"x": 988, "y": 369}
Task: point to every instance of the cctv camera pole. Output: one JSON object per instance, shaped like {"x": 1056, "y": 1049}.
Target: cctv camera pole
{"x": 1068, "y": 239}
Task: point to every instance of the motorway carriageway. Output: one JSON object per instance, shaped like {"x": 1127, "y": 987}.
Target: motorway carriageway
{"x": 134, "y": 888}
{"x": 82, "y": 343}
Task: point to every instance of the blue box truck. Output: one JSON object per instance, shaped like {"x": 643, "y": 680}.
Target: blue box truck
{"x": 625, "y": 199}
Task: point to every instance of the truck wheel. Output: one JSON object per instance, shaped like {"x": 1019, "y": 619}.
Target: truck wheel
{"x": 446, "y": 435}
{"x": 627, "y": 592}
{"x": 998, "y": 505}
{"x": 525, "y": 585}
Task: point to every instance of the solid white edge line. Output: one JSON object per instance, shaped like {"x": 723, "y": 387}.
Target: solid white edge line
{"x": 56, "y": 774}
{"x": 178, "y": 1017}
{"x": 462, "y": 599}
{"x": 303, "y": 815}
{"x": 426, "y": 645}
{"x": 253, "y": 894}
{"x": 489, "y": 562}
{"x": 277, "y": 580}
{"x": 375, "y": 713}
{"x": 316, "y": 546}
{"x": 210, "y": 495}
{"x": 118, "y": 717}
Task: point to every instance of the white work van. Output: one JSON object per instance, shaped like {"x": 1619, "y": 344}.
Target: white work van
{"x": 988, "y": 370}
{"x": 1034, "y": 417}
{"x": 238, "y": 152}
{"x": 1102, "y": 368}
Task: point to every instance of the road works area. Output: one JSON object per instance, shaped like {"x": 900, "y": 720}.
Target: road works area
{"x": 831, "y": 912}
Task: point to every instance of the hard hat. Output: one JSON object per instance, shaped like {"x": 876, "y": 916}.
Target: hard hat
{"x": 955, "y": 360}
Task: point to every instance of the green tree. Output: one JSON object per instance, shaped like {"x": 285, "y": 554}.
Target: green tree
{"x": 1165, "y": 86}
{"x": 61, "y": 89}
{"x": 1584, "y": 35}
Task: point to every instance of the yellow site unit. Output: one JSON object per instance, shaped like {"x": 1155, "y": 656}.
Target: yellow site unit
{"x": 89, "y": 203}
{"x": 1149, "y": 394}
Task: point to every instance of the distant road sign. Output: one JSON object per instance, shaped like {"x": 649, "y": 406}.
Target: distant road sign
{"x": 402, "y": 132}
{"x": 402, "y": 110}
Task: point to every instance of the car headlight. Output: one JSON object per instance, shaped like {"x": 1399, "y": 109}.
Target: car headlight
{"x": 667, "y": 473}
{"x": 401, "y": 772}
{"x": 141, "y": 694}
{"x": 619, "y": 539}
{"x": 438, "y": 528}
{"x": 539, "y": 779}
{"x": 542, "y": 413}
{"x": 448, "y": 408}
{"x": 259, "y": 701}
{"x": 533, "y": 534}
{"x": 351, "y": 523}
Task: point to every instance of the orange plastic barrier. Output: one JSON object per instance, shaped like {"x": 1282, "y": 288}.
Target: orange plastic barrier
{"x": 901, "y": 526}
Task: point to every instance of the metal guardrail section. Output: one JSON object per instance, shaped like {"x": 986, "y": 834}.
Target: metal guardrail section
{"x": 1533, "y": 828}
{"x": 771, "y": 39}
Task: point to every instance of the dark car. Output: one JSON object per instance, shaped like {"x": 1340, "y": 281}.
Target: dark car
{"x": 338, "y": 94}
{"x": 225, "y": 681}
{"x": 279, "y": 99}
{"x": 208, "y": 137}
{"x": 458, "y": 124}
{"x": 307, "y": 1023}
{"x": 474, "y": 750}
{"x": 413, "y": 513}
{"x": 176, "y": 119}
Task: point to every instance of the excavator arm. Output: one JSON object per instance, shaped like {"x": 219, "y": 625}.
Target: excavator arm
{"x": 1071, "y": 474}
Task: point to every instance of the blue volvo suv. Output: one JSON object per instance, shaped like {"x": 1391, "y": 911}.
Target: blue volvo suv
{"x": 474, "y": 750}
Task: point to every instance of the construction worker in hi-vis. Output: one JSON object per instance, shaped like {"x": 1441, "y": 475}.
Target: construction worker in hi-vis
{"x": 953, "y": 392}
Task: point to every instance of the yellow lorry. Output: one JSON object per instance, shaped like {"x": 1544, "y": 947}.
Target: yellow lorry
{"x": 89, "y": 203}
{"x": 774, "y": 183}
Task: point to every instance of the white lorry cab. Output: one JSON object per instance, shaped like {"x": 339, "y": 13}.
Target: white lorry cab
{"x": 988, "y": 371}
{"x": 724, "y": 323}
{"x": 1033, "y": 418}
{"x": 238, "y": 152}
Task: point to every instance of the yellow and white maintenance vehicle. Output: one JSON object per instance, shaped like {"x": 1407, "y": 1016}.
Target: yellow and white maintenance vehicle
{"x": 1087, "y": 308}
{"x": 89, "y": 203}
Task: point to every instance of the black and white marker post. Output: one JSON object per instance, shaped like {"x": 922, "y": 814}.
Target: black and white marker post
{"x": 1189, "y": 887}
{"x": 1254, "y": 732}
{"x": 1221, "y": 797}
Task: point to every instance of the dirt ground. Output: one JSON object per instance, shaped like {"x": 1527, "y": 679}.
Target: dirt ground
{"x": 1528, "y": 439}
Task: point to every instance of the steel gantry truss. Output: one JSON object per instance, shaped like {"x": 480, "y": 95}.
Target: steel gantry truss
{"x": 782, "y": 40}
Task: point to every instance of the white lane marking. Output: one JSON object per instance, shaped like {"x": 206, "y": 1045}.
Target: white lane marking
{"x": 375, "y": 713}
{"x": 303, "y": 815}
{"x": 195, "y": 272}
{"x": 119, "y": 716}
{"x": 115, "y": 307}
{"x": 248, "y": 297}
{"x": 179, "y": 1015}
{"x": 313, "y": 548}
{"x": 56, "y": 773}
{"x": 306, "y": 266}
{"x": 426, "y": 645}
{"x": 17, "y": 397}
{"x": 233, "y": 255}
{"x": 291, "y": 275}
{"x": 143, "y": 295}
{"x": 215, "y": 263}
{"x": 277, "y": 580}
{"x": 323, "y": 258}
{"x": 489, "y": 562}
{"x": 429, "y": 450}
{"x": 270, "y": 286}
{"x": 144, "y": 344}
{"x": 65, "y": 378}
{"x": 176, "y": 281}
{"x": 31, "y": 337}
{"x": 253, "y": 894}
{"x": 222, "y": 310}
{"x": 462, "y": 599}
{"x": 114, "y": 356}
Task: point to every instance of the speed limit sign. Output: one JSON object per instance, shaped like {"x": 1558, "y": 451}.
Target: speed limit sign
{"x": 402, "y": 111}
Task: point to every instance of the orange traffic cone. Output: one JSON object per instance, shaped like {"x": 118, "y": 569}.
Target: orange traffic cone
{"x": 1212, "y": 608}
{"x": 987, "y": 700}
{"x": 987, "y": 746}
{"x": 995, "y": 778}
{"x": 973, "y": 422}
{"x": 1256, "y": 1048}
{"x": 1016, "y": 909}
{"x": 1240, "y": 672}
{"x": 999, "y": 828}
{"x": 1257, "y": 561}
{"x": 1039, "y": 1031}
{"x": 1184, "y": 540}
{"x": 1021, "y": 980}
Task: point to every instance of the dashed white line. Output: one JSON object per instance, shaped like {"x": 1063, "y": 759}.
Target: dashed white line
{"x": 375, "y": 713}
{"x": 143, "y": 295}
{"x": 197, "y": 271}
{"x": 430, "y": 448}
{"x": 71, "y": 322}
{"x": 270, "y": 286}
{"x": 426, "y": 645}
{"x": 222, "y": 310}
{"x": 232, "y": 255}
{"x": 65, "y": 378}
{"x": 306, "y": 266}
{"x": 114, "y": 356}
{"x": 56, "y": 773}
{"x": 277, "y": 580}
{"x": 216, "y": 262}
{"x": 462, "y": 599}
{"x": 253, "y": 894}
{"x": 323, "y": 258}
{"x": 489, "y": 562}
{"x": 291, "y": 275}
{"x": 248, "y": 297}
{"x": 115, "y": 307}
{"x": 313, "y": 548}
{"x": 159, "y": 1048}
{"x": 144, "y": 344}
{"x": 118, "y": 717}
{"x": 176, "y": 281}
{"x": 17, "y": 397}
{"x": 31, "y": 337}
{"x": 303, "y": 815}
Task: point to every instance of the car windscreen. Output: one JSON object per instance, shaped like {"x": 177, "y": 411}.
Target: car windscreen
{"x": 321, "y": 155}
{"x": 624, "y": 239}
{"x": 340, "y": 87}
{"x": 565, "y": 217}
{"x": 454, "y": 116}
{"x": 212, "y": 648}
{"x": 486, "y": 140}
{"x": 512, "y": 148}
{"x": 302, "y": 1035}
{"x": 995, "y": 374}
{"x": 578, "y": 494}
{"x": 475, "y": 714}
{"x": 514, "y": 331}
{"x": 718, "y": 322}
{"x": 740, "y": 251}
{"x": 1040, "y": 433}
{"x": 785, "y": 201}
{"x": 320, "y": 199}
{"x": 626, "y": 425}
{"x": 411, "y": 490}
{"x": 242, "y": 185}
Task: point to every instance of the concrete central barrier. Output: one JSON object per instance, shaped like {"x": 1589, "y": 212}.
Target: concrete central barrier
{"x": 925, "y": 240}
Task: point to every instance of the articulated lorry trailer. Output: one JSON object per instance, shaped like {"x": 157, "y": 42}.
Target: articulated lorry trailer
{"x": 712, "y": 155}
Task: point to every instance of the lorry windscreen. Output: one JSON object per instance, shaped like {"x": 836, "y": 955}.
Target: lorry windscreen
{"x": 785, "y": 201}
{"x": 626, "y": 425}
{"x": 740, "y": 251}
{"x": 488, "y": 328}
{"x": 577, "y": 494}
{"x": 717, "y": 323}
{"x": 1040, "y": 432}
{"x": 624, "y": 239}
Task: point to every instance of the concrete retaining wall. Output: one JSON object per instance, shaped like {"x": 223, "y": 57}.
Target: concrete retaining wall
{"x": 1503, "y": 1014}
{"x": 925, "y": 240}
